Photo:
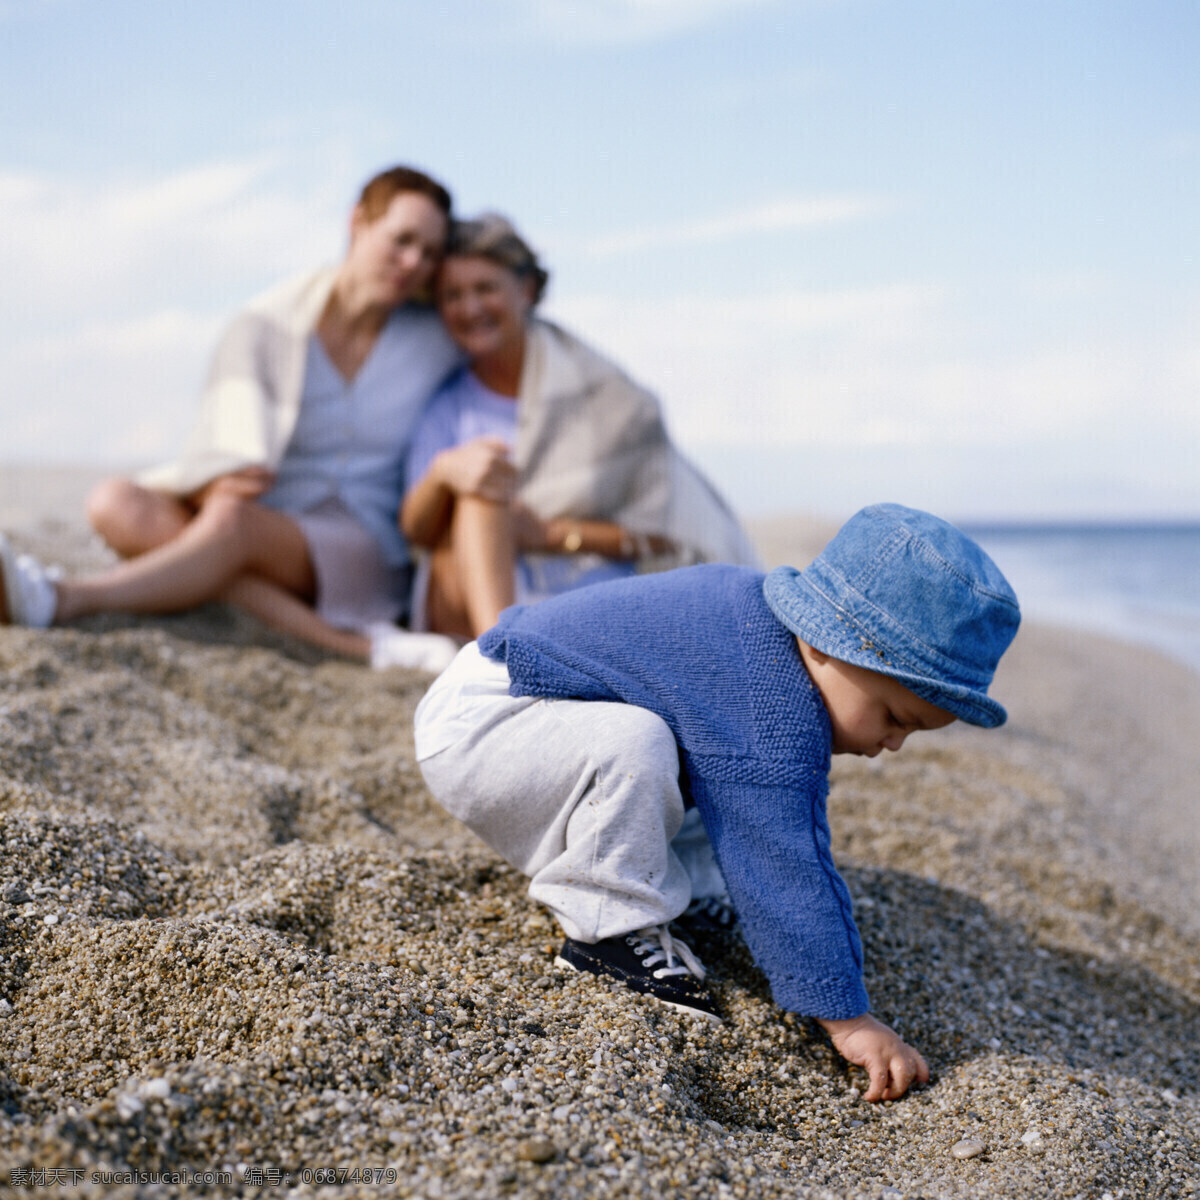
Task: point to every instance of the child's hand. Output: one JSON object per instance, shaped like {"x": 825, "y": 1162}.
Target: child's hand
{"x": 890, "y": 1061}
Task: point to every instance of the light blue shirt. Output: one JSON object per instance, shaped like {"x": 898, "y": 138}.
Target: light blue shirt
{"x": 463, "y": 409}
{"x": 352, "y": 436}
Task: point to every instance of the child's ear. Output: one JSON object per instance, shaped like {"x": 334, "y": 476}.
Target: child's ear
{"x": 811, "y": 652}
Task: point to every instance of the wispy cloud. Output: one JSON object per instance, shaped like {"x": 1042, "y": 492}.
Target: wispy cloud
{"x": 115, "y": 289}
{"x": 785, "y": 215}
{"x": 888, "y": 366}
{"x": 107, "y": 390}
{"x": 71, "y": 246}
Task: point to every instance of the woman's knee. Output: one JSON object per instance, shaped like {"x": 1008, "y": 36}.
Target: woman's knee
{"x": 256, "y": 539}
{"x": 132, "y": 519}
{"x": 111, "y": 503}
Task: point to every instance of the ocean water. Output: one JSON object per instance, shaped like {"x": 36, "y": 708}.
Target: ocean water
{"x": 1138, "y": 582}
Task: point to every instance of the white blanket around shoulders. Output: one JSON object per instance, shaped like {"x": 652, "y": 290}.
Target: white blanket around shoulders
{"x": 251, "y": 398}
{"x": 592, "y": 443}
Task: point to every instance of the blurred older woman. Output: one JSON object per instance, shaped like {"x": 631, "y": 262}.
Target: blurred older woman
{"x": 285, "y": 499}
{"x": 540, "y": 466}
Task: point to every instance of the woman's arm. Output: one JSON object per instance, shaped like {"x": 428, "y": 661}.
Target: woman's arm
{"x": 480, "y": 467}
{"x": 570, "y": 535}
{"x": 249, "y": 483}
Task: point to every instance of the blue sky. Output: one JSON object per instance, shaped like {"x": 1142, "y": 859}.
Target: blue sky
{"x": 940, "y": 251}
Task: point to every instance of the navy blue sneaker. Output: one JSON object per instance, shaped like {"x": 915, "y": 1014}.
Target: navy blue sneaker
{"x": 649, "y": 961}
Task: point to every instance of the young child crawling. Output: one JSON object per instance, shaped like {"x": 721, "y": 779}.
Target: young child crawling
{"x": 575, "y": 736}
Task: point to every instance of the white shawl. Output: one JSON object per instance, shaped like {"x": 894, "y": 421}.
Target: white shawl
{"x": 592, "y": 443}
{"x": 251, "y": 399}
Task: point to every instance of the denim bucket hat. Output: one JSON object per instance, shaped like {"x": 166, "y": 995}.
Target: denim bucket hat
{"x": 905, "y": 593}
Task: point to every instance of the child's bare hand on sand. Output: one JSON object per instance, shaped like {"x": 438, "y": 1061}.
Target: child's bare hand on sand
{"x": 891, "y": 1062}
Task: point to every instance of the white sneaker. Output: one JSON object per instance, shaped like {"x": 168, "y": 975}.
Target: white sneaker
{"x": 27, "y": 592}
{"x": 394, "y": 647}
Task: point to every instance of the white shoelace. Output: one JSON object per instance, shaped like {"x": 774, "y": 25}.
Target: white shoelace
{"x": 657, "y": 944}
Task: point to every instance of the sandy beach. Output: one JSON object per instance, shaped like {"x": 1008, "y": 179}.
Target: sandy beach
{"x": 243, "y": 952}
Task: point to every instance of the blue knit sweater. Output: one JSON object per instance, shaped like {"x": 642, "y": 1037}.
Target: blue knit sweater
{"x": 700, "y": 648}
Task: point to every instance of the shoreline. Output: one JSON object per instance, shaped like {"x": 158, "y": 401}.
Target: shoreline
{"x": 236, "y": 933}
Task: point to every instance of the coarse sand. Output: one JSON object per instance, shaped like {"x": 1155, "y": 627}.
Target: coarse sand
{"x": 243, "y": 952}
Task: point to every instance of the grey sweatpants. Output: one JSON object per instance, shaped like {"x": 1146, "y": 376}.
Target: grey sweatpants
{"x": 581, "y": 796}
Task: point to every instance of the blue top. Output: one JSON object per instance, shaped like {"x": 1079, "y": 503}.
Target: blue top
{"x": 463, "y": 409}
{"x": 352, "y": 436}
{"x": 699, "y": 647}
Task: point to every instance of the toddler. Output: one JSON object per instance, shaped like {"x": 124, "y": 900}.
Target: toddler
{"x": 657, "y": 749}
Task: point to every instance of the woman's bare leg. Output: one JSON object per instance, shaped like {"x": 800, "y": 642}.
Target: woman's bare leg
{"x": 133, "y": 519}
{"x": 228, "y": 538}
{"x": 472, "y": 571}
{"x": 233, "y": 550}
{"x": 485, "y": 546}
{"x": 445, "y": 609}
{"x": 280, "y": 609}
